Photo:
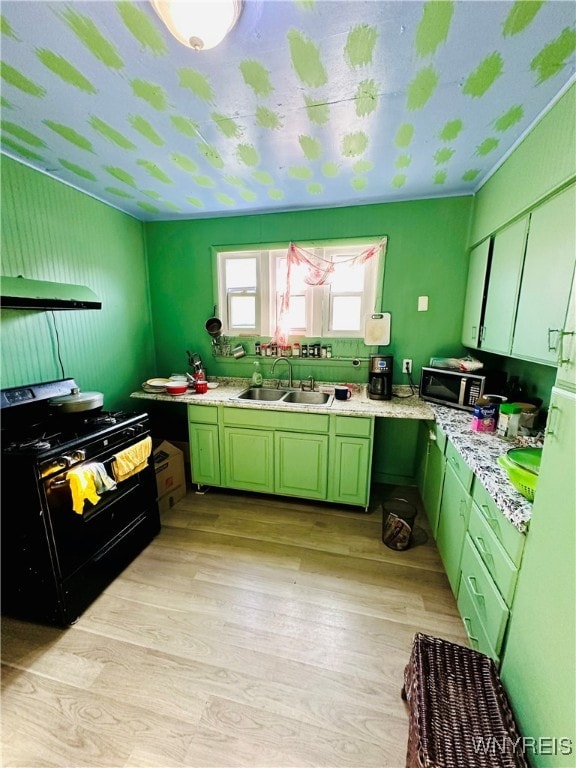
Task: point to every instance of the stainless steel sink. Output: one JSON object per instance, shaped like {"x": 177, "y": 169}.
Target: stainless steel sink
{"x": 290, "y": 397}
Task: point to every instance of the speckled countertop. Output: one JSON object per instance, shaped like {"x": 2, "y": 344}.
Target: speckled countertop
{"x": 479, "y": 450}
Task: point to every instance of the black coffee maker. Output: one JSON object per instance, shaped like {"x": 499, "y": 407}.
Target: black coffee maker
{"x": 380, "y": 377}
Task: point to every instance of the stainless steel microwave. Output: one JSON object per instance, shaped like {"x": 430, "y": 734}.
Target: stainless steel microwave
{"x": 458, "y": 389}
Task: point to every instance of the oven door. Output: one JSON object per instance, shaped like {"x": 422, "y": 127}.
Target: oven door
{"x": 80, "y": 538}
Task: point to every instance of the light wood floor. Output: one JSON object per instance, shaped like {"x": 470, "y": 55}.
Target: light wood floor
{"x": 254, "y": 631}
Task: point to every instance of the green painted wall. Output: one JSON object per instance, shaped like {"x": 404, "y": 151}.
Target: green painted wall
{"x": 51, "y": 231}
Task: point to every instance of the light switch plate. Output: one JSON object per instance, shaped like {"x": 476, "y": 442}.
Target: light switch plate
{"x": 422, "y": 303}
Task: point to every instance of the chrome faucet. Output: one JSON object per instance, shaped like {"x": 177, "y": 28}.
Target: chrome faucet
{"x": 289, "y": 364}
{"x": 309, "y": 384}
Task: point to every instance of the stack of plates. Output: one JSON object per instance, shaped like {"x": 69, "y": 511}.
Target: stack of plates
{"x": 156, "y": 386}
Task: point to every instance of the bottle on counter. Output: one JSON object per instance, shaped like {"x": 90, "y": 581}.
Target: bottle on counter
{"x": 509, "y": 420}
{"x": 296, "y": 349}
{"x": 257, "y": 378}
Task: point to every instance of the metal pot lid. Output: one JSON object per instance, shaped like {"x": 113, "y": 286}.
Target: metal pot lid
{"x": 77, "y": 398}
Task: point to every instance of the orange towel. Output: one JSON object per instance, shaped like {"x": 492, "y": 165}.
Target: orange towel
{"x": 131, "y": 460}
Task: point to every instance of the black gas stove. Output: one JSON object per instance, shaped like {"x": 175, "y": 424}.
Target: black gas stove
{"x": 71, "y": 521}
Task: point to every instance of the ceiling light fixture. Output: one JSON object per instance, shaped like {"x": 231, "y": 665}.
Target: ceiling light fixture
{"x": 196, "y": 24}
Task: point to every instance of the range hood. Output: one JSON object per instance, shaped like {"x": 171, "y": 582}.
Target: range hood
{"x": 22, "y": 293}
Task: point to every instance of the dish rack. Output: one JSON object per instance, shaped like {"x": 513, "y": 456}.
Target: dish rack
{"x": 522, "y": 479}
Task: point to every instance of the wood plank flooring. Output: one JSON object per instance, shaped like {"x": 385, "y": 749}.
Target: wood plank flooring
{"x": 254, "y": 631}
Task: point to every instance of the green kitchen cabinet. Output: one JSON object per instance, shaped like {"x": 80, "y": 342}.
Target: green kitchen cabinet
{"x": 454, "y": 513}
{"x": 301, "y": 464}
{"x": 249, "y": 459}
{"x": 431, "y": 471}
{"x": 566, "y": 373}
{"x": 203, "y": 434}
{"x": 546, "y": 279}
{"x": 503, "y": 288}
{"x": 475, "y": 290}
{"x": 350, "y": 475}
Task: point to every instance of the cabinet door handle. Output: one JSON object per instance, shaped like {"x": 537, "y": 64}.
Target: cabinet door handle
{"x": 482, "y": 332}
{"x": 553, "y": 347}
{"x": 490, "y": 517}
{"x": 561, "y": 359}
{"x": 552, "y": 419}
{"x": 477, "y": 595}
{"x": 482, "y": 548}
{"x": 473, "y": 640}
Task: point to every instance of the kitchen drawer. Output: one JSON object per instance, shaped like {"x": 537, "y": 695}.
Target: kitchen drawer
{"x": 439, "y": 436}
{"x": 507, "y": 534}
{"x": 461, "y": 469}
{"x": 490, "y": 607}
{"x": 267, "y": 418}
{"x": 473, "y": 624}
{"x": 493, "y": 554}
{"x": 203, "y": 414}
{"x": 353, "y": 425}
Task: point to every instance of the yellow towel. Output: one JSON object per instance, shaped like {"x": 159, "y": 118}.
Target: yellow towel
{"x": 131, "y": 460}
{"x": 82, "y": 487}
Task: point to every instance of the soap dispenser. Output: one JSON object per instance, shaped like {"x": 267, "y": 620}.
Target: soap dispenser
{"x": 257, "y": 375}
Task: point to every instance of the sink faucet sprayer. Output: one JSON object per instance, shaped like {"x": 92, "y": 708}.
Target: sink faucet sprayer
{"x": 288, "y": 363}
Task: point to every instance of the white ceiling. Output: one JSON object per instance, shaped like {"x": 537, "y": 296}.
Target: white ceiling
{"x": 307, "y": 104}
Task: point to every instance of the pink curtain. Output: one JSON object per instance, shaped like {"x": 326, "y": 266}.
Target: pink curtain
{"x": 318, "y": 272}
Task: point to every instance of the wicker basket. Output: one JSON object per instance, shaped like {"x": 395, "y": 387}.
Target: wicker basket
{"x": 459, "y": 715}
{"x": 522, "y": 479}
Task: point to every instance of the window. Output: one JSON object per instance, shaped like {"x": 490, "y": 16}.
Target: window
{"x": 310, "y": 291}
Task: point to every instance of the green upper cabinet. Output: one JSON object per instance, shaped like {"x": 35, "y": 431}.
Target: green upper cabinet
{"x": 566, "y": 374}
{"x": 546, "y": 280}
{"x": 475, "y": 287}
{"x": 503, "y": 287}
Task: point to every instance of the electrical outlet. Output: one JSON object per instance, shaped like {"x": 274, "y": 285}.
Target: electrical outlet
{"x": 406, "y": 365}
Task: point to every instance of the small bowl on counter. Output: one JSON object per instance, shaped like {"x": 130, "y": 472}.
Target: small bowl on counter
{"x": 176, "y": 387}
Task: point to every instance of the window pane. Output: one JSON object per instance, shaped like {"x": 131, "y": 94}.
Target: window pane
{"x": 297, "y": 275}
{"x": 297, "y": 315}
{"x": 347, "y": 278}
{"x": 346, "y": 313}
{"x": 242, "y": 311}
{"x": 240, "y": 273}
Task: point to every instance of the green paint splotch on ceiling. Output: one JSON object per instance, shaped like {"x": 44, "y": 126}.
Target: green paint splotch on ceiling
{"x": 225, "y": 199}
{"x": 152, "y": 94}
{"x": 451, "y": 130}
{"x": 205, "y": 181}
{"x": 248, "y": 195}
{"x": 359, "y": 183}
{"x": 404, "y": 135}
{"x": 300, "y": 172}
{"x": 195, "y": 202}
{"x": 315, "y": 188}
{"x": 275, "y": 194}
{"x": 521, "y": 16}
{"x": 366, "y": 98}
{"x": 145, "y": 129}
{"x": 330, "y": 170}
{"x": 24, "y": 151}
{"x": 184, "y": 162}
{"x": 119, "y": 193}
{"x": 434, "y": 26}
{"x": 247, "y": 154}
{"x": 487, "y": 146}
{"x": 263, "y": 177}
{"x": 509, "y": 118}
{"x": 197, "y": 83}
{"x": 84, "y": 173}
{"x": 311, "y": 147}
{"x": 142, "y": 28}
{"x": 18, "y": 80}
{"x": 91, "y": 37}
{"x": 362, "y": 166}
{"x": 443, "y": 155}
{"x": 5, "y": 103}
{"x": 226, "y": 125}
{"x": 6, "y": 29}
{"x": 471, "y": 174}
{"x": 63, "y": 69}
{"x": 399, "y": 181}
{"x": 440, "y": 177}
{"x": 354, "y": 144}
{"x": 111, "y": 133}
{"x": 267, "y": 118}
{"x": 151, "y": 193}
{"x": 307, "y": 5}
{"x": 552, "y": 58}
{"x": 121, "y": 175}
{"x": 22, "y": 134}
{"x": 211, "y": 154}
{"x": 484, "y": 76}
{"x": 360, "y": 43}
{"x": 185, "y": 126}
{"x": 70, "y": 135}
{"x": 154, "y": 171}
{"x": 306, "y": 60}
{"x": 318, "y": 113}
{"x": 422, "y": 87}
{"x": 148, "y": 207}
{"x": 403, "y": 160}
{"x": 257, "y": 77}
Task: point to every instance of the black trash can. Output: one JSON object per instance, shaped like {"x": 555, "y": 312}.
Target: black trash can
{"x": 398, "y": 516}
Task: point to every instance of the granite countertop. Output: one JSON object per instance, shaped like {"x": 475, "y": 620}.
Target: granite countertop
{"x": 480, "y": 451}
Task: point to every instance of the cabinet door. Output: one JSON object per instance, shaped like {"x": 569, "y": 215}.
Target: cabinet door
{"x": 249, "y": 459}
{"x": 204, "y": 454}
{"x": 566, "y": 374}
{"x": 475, "y": 288}
{"x": 452, "y": 525}
{"x": 350, "y": 475}
{"x": 433, "y": 483}
{"x": 546, "y": 280}
{"x": 301, "y": 464}
{"x": 503, "y": 288}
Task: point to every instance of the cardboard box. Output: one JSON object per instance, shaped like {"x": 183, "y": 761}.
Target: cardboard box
{"x": 170, "y": 478}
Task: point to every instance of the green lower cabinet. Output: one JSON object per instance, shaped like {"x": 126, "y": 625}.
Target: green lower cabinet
{"x": 452, "y": 524}
{"x": 301, "y": 464}
{"x": 433, "y": 484}
{"x": 249, "y": 459}
{"x": 204, "y": 453}
{"x": 350, "y": 470}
